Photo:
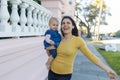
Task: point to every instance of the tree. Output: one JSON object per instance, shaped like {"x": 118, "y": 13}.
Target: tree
{"x": 90, "y": 14}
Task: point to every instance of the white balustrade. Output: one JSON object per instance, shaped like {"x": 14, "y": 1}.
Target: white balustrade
{"x": 14, "y": 18}
{"x": 42, "y": 22}
{"x": 39, "y": 21}
{"x": 35, "y": 20}
{"x": 27, "y": 18}
{"x": 23, "y": 18}
{"x": 4, "y": 15}
{"x": 45, "y": 22}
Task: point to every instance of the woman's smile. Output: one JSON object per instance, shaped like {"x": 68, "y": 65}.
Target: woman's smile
{"x": 66, "y": 28}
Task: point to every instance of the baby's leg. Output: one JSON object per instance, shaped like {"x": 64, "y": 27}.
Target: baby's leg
{"x": 49, "y": 61}
{"x": 53, "y": 54}
{"x": 47, "y": 51}
{"x": 49, "y": 48}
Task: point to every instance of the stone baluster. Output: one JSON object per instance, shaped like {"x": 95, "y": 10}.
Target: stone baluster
{"x": 39, "y": 20}
{"x": 23, "y": 18}
{"x": 14, "y": 18}
{"x": 49, "y": 16}
{"x": 42, "y": 19}
{"x": 29, "y": 18}
{"x": 35, "y": 20}
{"x": 47, "y": 20}
{"x": 4, "y": 15}
{"x": 44, "y": 23}
{"x": 46, "y": 16}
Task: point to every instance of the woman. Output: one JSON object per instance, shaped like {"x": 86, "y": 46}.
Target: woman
{"x": 62, "y": 66}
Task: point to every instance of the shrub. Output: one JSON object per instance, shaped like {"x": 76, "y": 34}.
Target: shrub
{"x": 118, "y": 33}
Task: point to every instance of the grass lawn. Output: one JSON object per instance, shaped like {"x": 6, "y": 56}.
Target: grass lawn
{"x": 112, "y": 58}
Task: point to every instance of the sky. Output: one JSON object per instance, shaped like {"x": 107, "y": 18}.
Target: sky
{"x": 114, "y": 20}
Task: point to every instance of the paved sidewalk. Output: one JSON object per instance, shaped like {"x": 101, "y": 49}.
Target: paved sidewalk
{"x": 86, "y": 70}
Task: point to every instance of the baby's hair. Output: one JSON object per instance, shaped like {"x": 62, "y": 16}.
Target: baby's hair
{"x": 53, "y": 19}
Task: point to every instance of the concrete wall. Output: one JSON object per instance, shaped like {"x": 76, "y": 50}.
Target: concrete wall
{"x": 23, "y": 59}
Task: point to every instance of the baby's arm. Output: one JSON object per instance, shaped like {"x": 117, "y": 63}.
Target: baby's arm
{"x": 48, "y": 40}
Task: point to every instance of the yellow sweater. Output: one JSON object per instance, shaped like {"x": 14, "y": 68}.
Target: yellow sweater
{"x": 66, "y": 53}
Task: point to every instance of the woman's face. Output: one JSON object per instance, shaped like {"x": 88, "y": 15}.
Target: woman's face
{"x": 67, "y": 26}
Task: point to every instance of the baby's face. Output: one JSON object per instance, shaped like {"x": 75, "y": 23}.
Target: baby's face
{"x": 54, "y": 25}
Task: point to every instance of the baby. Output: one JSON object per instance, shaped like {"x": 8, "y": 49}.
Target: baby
{"x": 52, "y": 39}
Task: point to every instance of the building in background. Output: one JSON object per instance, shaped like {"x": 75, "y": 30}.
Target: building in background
{"x": 60, "y": 8}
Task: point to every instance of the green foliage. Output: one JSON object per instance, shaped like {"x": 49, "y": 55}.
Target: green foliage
{"x": 38, "y": 1}
{"x": 118, "y": 33}
{"x": 112, "y": 59}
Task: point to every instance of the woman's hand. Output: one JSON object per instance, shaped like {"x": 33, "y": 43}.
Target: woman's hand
{"x": 112, "y": 75}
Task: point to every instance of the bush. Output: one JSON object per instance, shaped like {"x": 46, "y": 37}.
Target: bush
{"x": 118, "y": 33}
{"x": 38, "y": 1}
{"x": 112, "y": 59}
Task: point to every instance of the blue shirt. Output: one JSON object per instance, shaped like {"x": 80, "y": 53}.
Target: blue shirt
{"x": 55, "y": 36}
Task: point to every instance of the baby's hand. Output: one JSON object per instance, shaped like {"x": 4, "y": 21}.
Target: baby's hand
{"x": 52, "y": 42}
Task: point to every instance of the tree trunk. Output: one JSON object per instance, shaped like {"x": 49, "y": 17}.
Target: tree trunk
{"x": 88, "y": 32}
{"x": 100, "y": 13}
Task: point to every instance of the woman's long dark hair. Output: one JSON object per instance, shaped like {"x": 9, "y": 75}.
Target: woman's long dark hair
{"x": 74, "y": 30}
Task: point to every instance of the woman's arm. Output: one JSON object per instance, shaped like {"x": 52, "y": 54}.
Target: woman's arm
{"x": 111, "y": 73}
{"x": 84, "y": 49}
